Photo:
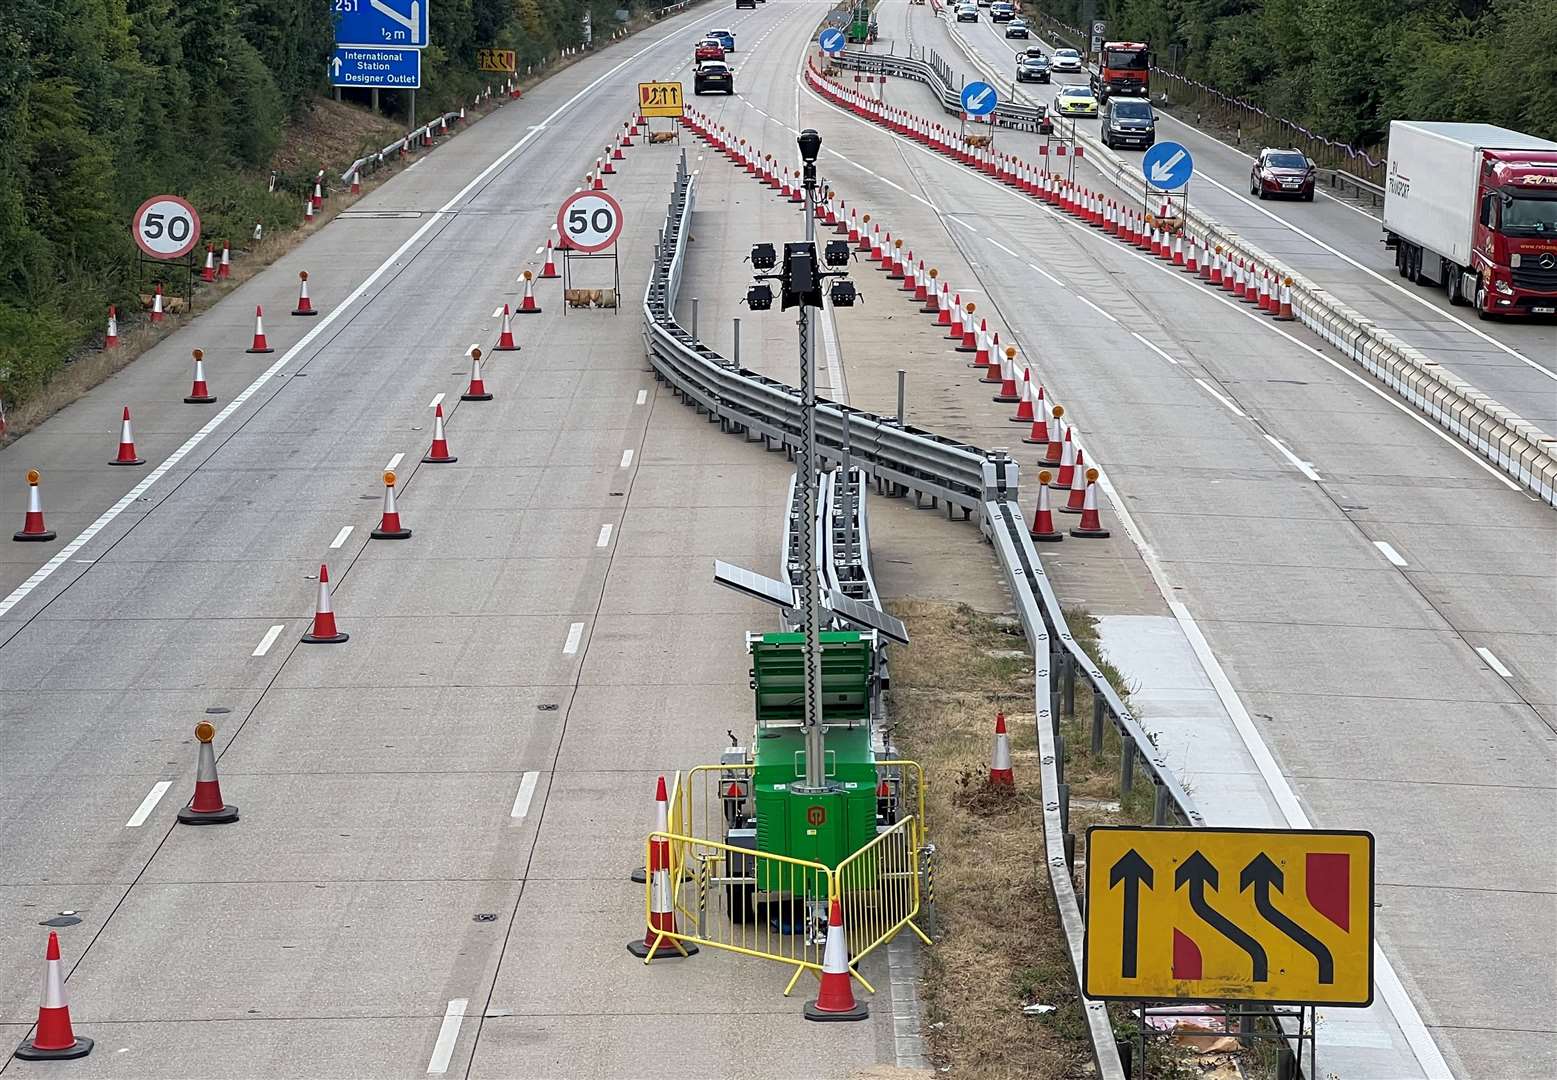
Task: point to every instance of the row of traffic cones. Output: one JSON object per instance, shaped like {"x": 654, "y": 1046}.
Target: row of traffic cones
{"x": 305, "y": 307}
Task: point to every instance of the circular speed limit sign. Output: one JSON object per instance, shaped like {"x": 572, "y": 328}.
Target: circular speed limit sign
{"x": 166, "y": 227}
{"x": 590, "y": 221}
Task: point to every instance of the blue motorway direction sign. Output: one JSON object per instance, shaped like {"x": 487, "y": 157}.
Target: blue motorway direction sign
{"x": 1167, "y": 165}
{"x": 398, "y": 24}
{"x": 831, "y": 40}
{"x": 382, "y": 69}
{"x": 978, "y": 99}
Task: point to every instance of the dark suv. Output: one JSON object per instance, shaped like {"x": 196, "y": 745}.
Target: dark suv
{"x": 1282, "y": 172}
{"x": 713, "y": 75}
{"x": 1032, "y": 66}
{"x": 1129, "y": 122}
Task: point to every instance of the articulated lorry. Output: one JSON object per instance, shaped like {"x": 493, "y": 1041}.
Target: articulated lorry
{"x": 1473, "y": 208}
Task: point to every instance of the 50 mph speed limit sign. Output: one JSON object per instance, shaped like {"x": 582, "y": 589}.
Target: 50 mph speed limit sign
{"x": 166, "y": 227}
{"x": 590, "y": 221}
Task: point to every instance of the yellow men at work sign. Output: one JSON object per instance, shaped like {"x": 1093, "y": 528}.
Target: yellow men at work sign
{"x": 659, "y": 98}
{"x": 1274, "y": 915}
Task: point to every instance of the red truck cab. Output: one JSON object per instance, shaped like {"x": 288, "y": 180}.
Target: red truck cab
{"x": 1516, "y": 232}
{"x": 1124, "y": 68}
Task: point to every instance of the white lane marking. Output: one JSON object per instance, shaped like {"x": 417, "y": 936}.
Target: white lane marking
{"x": 1493, "y": 662}
{"x": 44, "y": 572}
{"x": 526, "y": 793}
{"x": 268, "y": 640}
{"x": 436, "y": 401}
{"x": 340, "y": 537}
{"x": 472, "y": 347}
{"x": 1002, "y": 247}
{"x": 537, "y": 251}
{"x": 394, "y": 463}
{"x": 627, "y": 458}
{"x": 448, "y": 1035}
{"x": 605, "y": 536}
{"x": 643, "y": 397}
{"x": 1208, "y": 388}
{"x": 148, "y": 804}
{"x": 1052, "y": 279}
{"x": 497, "y": 312}
{"x": 575, "y": 635}
{"x": 1153, "y": 347}
{"x": 1298, "y": 463}
{"x": 1097, "y": 309}
{"x": 1389, "y": 553}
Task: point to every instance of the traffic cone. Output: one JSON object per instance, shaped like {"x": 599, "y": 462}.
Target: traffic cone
{"x": 317, "y": 201}
{"x": 156, "y": 304}
{"x": 864, "y": 237}
{"x": 1039, "y": 434}
{"x": 53, "y": 1040}
{"x": 207, "y": 807}
{"x": 324, "y": 631}
{"x": 439, "y": 454}
{"x": 1262, "y": 291}
{"x": 969, "y": 341}
{"x": 356, "y": 181}
{"x": 126, "y": 443}
{"x": 111, "y": 338}
{"x": 33, "y": 527}
{"x": 305, "y": 306}
{"x": 954, "y": 321}
{"x": 1000, "y": 773}
{"x": 505, "y": 340}
{"x": 1054, "y": 452}
{"x": 662, "y": 909}
{"x": 1067, "y": 473}
{"x": 1091, "y": 526}
{"x": 389, "y": 527}
{"x": 604, "y": 164}
{"x": 923, "y": 283}
{"x": 835, "y": 997}
{"x": 550, "y": 269}
{"x": 1024, "y": 407}
{"x": 224, "y": 268}
{"x": 1284, "y": 307}
{"x": 1009, "y": 394}
{"x": 260, "y": 344}
{"x": 906, "y": 271}
{"x": 988, "y": 357}
{"x": 1043, "y": 529}
{"x": 1078, "y": 486}
{"x": 199, "y": 392}
{"x": 895, "y": 271}
{"x": 1192, "y": 256}
{"x": 477, "y": 391}
{"x": 527, "y": 305}
{"x": 308, "y": 211}
{"x": 208, "y": 271}
{"x": 942, "y": 305}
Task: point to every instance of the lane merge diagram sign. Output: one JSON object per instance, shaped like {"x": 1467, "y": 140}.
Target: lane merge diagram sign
{"x": 1270, "y": 915}
{"x": 978, "y": 99}
{"x": 381, "y": 23}
{"x": 660, "y": 99}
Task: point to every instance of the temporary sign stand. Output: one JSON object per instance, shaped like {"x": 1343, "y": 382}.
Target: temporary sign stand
{"x": 166, "y": 231}
{"x": 661, "y": 99}
{"x": 1284, "y": 1026}
{"x": 590, "y": 222}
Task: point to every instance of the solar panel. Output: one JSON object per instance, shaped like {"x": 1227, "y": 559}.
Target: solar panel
{"x": 871, "y": 618}
{"x": 757, "y": 586}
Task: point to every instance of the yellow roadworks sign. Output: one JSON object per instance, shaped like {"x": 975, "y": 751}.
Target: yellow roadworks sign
{"x": 503, "y": 60}
{"x": 659, "y": 98}
{"x": 1273, "y": 915}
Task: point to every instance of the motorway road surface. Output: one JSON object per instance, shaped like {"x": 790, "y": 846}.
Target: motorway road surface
{"x": 1343, "y": 561}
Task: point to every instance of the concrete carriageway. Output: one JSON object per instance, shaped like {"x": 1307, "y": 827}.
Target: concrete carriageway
{"x": 382, "y": 781}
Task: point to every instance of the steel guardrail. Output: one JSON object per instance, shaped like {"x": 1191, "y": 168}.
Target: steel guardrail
{"x": 1007, "y": 114}
{"x": 747, "y": 403}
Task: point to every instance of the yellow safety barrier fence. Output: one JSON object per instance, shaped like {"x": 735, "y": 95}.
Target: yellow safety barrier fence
{"x": 878, "y": 889}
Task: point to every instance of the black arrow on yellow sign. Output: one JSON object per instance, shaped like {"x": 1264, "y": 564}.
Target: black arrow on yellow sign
{"x": 1134, "y": 871}
{"x": 1263, "y": 874}
{"x": 1197, "y": 872}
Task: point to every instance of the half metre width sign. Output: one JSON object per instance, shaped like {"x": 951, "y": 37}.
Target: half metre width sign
{"x": 659, "y": 98}
{"x": 1272, "y": 915}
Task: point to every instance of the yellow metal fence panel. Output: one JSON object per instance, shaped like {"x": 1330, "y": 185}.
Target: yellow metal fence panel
{"x": 878, "y": 889}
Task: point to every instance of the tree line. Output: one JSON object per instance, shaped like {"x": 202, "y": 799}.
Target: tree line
{"x": 1344, "y": 68}
{"x": 106, "y": 102}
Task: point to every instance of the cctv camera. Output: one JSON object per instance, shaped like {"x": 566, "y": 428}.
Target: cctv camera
{"x": 810, "y": 145}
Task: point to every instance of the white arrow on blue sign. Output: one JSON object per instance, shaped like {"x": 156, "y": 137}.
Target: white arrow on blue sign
{"x": 831, "y": 40}
{"x": 1167, "y": 165}
{"x": 978, "y": 99}
{"x": 396, "y": 24}
{"x": 381, "y": 69}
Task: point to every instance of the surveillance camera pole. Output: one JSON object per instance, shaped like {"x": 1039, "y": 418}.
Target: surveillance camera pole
{"x": 805, "y": 475}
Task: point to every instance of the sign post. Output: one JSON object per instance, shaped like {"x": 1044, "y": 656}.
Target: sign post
{"x": 978, "y": 100}
{"x": 166, "y": 229}
{"x": 1167, "y": 167}
{"x": 589, "y": 222}
{"x": 378, "y": 46}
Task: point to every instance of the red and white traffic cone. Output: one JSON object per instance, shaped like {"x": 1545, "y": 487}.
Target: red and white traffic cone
{"x": 439, "y": 454}
{"x": 260, "y": 344}
{"x": 1024, "y": 407}
{"x": 1067, "y": 473}
{"x": 199, "y": 392}
{"x": 208, "y": 271}
{"x": 527, "y": 304}
{"x": 127, "y": 455}
{"x": 53, "y": 1039}
{"x": 1008, "y": 393}
{"x": 906, "y": 271}
{"x": 477, "y": 390}
{"x": 224, "y": 267}
{"x": 835, "y": 997}
{"x": 1090, "y": 527}
{"x": 356, "y": 181}
{"x": 662, "y": 909}
{"x": 943, "y": 306}
{"x": 207, "y": 807}
{"x": 1039, "y": 434}
{"x": 389, "y": 527}
{"x": 1043, "y": 530}
{"x": 305, "y": 306}
{"x": 1284, "y": 306}
{"x": 157, "y": 314}
{"x": 550, "y": 269}
{"x": 318, "y": 197}
{"x": 308, "y": 211}
{"x": 111, "y": 338}
{"x": 33, "y": 527}
{"x": 1262, "y": 291}
{"x": 605, "y": 167}
{"x": 1077, "y": 500}
{"x": 1054, "y": 450}
{"x": 505, "y": 340}
{"x": 1000, "y": 772}
{"x": 324, "y": 630}
{"x": 1218, "y": 263}
{"x": 1192, "y": 256}
{"x": 988, "y": 357}
{"x": 970, "y": 342}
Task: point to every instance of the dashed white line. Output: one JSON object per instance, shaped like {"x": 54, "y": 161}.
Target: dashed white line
{"x": 497, "y": 312}
{"x": 1208, "y": 388}
{"x": 268, "y": 640}
{"x": 604, "y": 539}
{"x": 1298, "y": 463}
{"x": 1097, "y": 309}
{"x": 643, "y": 397}
{"x": 1493, "y": 662}
{"x": 340, "y": 537}
{"x": 394, "y": 462}
{"x": 627, "y": 458}
{"x": 1389, "y": 553}
{"x": 148, "y": 804}
{"x": 526, "y": 793}
{"x": 1053, "y": 280}
{"x": 1153, "y": 347}
{"x": 448, "y": 1035}
{"x": 436, "y": 401}
{"x": 575, "y": 635}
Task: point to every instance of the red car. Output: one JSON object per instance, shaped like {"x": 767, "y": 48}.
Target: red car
{"x": 708, "y": 49}
{"x": 1282, "y": 172}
